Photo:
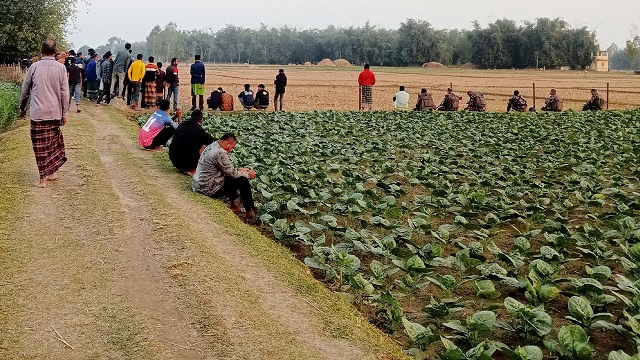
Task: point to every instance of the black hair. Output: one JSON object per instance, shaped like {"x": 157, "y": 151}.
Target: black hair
{"x": 247, "y": 86}
{"x": 164, "y": 104}
{"x": 174, "y": 60}
{"x": 196, "y": 115}
{"x": 159, "y": 65}
{"x": 366, "y": 66}
{"x": 516, "y": 93}
{"x": 401, "y": 88}
{"x": 79, "y": 53}
{"x": 281, "y": 70}
{"x": 423, "y": 90}
{"x": 151, "y": 59}
{"x": 127, "y": 46}
{"x": 229, "y": 137}
{"x": 139, "y": 56}
{"x": 48, "y": 47}
{"x": 261, "y": 86}
{"x": 197, "y": 57}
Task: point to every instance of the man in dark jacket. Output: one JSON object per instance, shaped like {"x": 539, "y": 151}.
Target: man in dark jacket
{"x": 189, "y": 139}
{"x": 517, "y": 102}
{"x": 246, "y": 97}
{"x": 595, "y": 103}
{"x": 197, "y": 83}
{"x": 281, "y": 83}
{"x": 215, "y": 100}
{"x": 262, "y": 98}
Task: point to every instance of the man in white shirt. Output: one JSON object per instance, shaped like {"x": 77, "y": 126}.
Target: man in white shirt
{"x": 401, "y": 100}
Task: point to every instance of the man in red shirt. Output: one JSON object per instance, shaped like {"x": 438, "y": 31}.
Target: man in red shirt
{"x": 366, "y": 80}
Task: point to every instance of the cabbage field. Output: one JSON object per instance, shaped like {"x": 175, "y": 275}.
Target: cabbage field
{"x": 462, "y": 235}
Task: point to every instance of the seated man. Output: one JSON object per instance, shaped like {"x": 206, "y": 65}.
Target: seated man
{"x": 401, "y": 100}
{"x": 246, "y": 97}
{"x": 189, "y": 140}
{"x": 553, "y": 102}
{"x": 215, "y": 100}
{"x": 226, "y": 101}
{"x": 262, "y": 98}
{"x": 595, "y": 103}
{"x": 159, "y": 128}
{"x": 476, "y": 101}
{"x": 451, "y": 101}
{"x": 517, "y": 102}
{"x": 425, "y": 101}
{"x": 216, "y": 177}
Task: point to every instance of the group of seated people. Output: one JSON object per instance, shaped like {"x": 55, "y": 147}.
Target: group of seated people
{"x": 196, "y": 153}
{"x": 477, "y": 102}
{"x": 248, "y": 99}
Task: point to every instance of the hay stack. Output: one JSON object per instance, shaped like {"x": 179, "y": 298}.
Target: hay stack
{"x": 341, "y": 62}
{"x": 326, "y": 62}
{"x": 433, "y": 65}
{"x": 307, "y": 63}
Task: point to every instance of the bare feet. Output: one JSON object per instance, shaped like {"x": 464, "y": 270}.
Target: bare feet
{"x": 190, "y": 172}
{"x": 42, "y": 183}
{"x": 250, "y": 215}
{"x": 51, "y": 177}
{"x": 235, "y": 207}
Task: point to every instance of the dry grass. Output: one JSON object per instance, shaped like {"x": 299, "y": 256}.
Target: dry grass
{"x": 335, "y": 88}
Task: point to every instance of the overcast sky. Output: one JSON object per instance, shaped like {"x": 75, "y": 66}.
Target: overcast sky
{"x": 132, "y": 20}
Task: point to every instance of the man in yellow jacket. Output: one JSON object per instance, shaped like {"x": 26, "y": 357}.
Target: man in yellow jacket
{"x": 136, "y": 73}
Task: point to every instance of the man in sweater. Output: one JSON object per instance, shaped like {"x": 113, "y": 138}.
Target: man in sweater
{"x": 280, "y": 83}
{"x": 120, "y": 66}
{"x": 136, "y": 73}
{"x": 216, "y": 177}
{"x": 173, "y": 82}
{"x": 197, "y": 83}
{"x": 366, "y": 80}
{"x": 401, "y": 100}
{"x": 47, "y": 85}
{"x": 189, "y": 141}
{"x": 262, "y": 98}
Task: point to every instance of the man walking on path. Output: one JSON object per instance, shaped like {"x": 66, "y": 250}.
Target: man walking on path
{"x": 366, "y": 80}
{"x": 120, "y": 66}
{"x": 74, "y": 74}
{"x": 173, "y": 82}
{"x": 197, "y": 83}
{"x": 281, "y": 84}
{"x": 136, "y": 73}
{"x": 216, "y": 177}
{"x": 106, "y": 75}
{"x": 47, "y": 85}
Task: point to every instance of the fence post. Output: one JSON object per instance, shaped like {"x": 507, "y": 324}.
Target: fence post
{"x": 607, "y": 96}
{"x": 534, "y": 95}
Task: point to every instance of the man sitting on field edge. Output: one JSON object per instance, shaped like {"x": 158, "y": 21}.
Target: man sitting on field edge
{"x": 189, "y": 140}
{"x": 216, "y": 177}
{"x": 159, "y": 128}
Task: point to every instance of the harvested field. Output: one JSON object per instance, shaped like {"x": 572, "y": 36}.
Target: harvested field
{"x": 336, "y": 88}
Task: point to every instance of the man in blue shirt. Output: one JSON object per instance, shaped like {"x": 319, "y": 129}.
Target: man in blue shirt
{"x": 197, "y": 83}
{"x": 246, "y": 97}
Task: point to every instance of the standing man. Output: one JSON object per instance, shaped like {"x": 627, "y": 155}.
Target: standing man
{"x": 281, "y": 84}
{"x": 159, "y": 83}
{"x": 197, "y": 83}
{"x": 173, "y": 83}
{"x": 136, "y": 73}
{"x": 120, "y": 66}
{"x": 366, "y": 80}
{"x": 47, "y": 85}
{"x": 401, "y": 100}
{"x": 74, "y": 74}
{"x": 93, "y": 81}
{"x": 106, "y": 74}
{"x": 216, "y": 177}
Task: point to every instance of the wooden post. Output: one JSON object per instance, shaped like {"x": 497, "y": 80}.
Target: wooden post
{"x": 451, "y": 86}
{"x": 607, "y": 96}
{"x": 534, "y": 95}
{"x": 359, "y": 98}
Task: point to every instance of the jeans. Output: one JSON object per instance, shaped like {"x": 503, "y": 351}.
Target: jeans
{"x": 173, "y": 90}
{"x": 74, "y": 91}
{"x": 135, "y": 94}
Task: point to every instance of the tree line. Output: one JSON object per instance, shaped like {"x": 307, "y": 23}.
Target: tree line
{"x": 504, "y": 43}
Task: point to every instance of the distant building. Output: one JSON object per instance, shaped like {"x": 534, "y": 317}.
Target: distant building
{"x": 600, "y": 61}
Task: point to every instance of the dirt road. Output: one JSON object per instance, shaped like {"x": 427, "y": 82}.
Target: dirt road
{"x": 117, "y": 259}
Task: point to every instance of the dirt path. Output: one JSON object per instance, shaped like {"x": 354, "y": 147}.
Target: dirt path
{"x": 124, "y": 262}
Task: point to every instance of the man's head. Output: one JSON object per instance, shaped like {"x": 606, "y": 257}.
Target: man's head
{"x": 48, "y": 47}
{"x": 281, "y": 71}
{"x": 151, "y": 59}
{"x": 401, "y": 88}
{"x": 80, "y": 55}
{"x": 449, "y": 90}
{"x": 366, "y": 66}
{"x": 424, "y": 91}
{"x": 127, "y": 46}
{"x": 228, "y": 141}
{"x": 594, "y": 91}
{"x": 196, "y": 116}
{"x": 197, "y": 57}
{"x": 72, "y": 52}
{"x": 107, "y": 55}
{"x": 469, "y": 93}
{"x": 94, "y": 56}
{"x": 220, "y": 89}
{"x": 174, "y": 61}
{"x": 516, "y": 93}
{"x": 261, "y": 87}
{"x": 247, "y": 87}
{"x": 164, "y": 104}
{"x": 552, "y": 92}
{"x": 139, "y": 56}
{"x": 159, "y": 64}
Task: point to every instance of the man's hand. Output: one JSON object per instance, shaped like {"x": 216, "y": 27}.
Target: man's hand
{"x": 63, "y": 121}
{"x": 179, "y": 113}
{"x": 252, "y": 174}
{"x": 23, "y": 113}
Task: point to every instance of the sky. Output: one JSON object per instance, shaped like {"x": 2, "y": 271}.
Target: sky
{"x": 132, "y": 20}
